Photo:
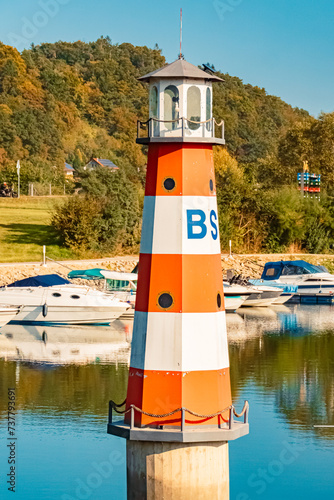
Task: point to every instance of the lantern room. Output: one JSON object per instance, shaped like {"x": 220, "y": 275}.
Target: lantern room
{"x": 180, "y": 106}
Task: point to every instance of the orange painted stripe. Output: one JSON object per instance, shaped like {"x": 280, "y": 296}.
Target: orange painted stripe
{"x": 190, "y": 165}
{"x": 198, "y": 169}
{"x": 193, "y": 281}
{"x": 201, "y": 282}
{"x": 159, "y": 392}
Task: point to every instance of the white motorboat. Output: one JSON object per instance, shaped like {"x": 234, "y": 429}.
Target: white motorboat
{"x": 122, "y": 286}
{"x": 254, "y": 296}
{"x": 50, "y": 299}
{"x": 262, "y": 296}
{"x": 235, "y": 296}
{"x": 309, "y": 279}
{"x": 7, "y": 313}
{"x": 287, "y": 291}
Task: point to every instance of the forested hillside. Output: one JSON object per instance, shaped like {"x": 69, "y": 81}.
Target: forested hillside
{"x": 74, "y": 101}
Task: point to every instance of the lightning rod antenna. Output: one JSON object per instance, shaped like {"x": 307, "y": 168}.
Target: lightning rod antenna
{"x": 180, "y": 55}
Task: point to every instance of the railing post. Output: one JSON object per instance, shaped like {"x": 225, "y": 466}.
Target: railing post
{"x": 246, "y": 415}
{"x": 110, "y": 413}
{"x": 138, "y": 129}
{"x": 183, "y": 419}
{"x": 230, "y": 420}
{"x": 220, "y": 418}
{"x": 150, "y": 127}
{"x": 132, "y": 421}
{"x": 44, "y": 256}
{"x": 213, "y": 127}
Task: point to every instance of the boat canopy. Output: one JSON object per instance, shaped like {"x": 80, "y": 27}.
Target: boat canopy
{"x": 114, "y": 275}
{"x": 41, "y": 280}
{"x": 282, "y": 286}
{"x": 87, "y": 274}
{"x": 273, "y": 270}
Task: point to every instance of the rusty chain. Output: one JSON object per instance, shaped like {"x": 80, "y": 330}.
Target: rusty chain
{"x": 163, "y": 415}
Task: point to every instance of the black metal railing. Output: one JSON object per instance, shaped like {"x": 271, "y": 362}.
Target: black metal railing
{"x": 133, "y": 408}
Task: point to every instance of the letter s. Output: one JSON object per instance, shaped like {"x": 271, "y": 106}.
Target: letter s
{"x": 214, "y": 233}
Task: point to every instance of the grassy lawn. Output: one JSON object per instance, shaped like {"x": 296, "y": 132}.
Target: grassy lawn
{"x": 25, "y": 228}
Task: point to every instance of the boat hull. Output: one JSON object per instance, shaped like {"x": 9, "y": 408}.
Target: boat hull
{"x": 264, "y": 299}
{"x": 233, "y": 303}
{"x": 7, "y": 314}
{"x": 282, "y": 299}
{"x": 62, "y": 315}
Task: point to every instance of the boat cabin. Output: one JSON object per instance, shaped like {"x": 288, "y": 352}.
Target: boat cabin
{"x": 120, "y": 282}
{"x": 274, "y": 270}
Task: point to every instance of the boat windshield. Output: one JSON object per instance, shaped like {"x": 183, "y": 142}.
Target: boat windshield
{"x": 289, "y": 270}
{"x": 323, "y": 269}
{"x": 120, "y": 285}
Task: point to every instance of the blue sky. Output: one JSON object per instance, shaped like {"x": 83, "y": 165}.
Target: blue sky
{"x": 285, "y": 46}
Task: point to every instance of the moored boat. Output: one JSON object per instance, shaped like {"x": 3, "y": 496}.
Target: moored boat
{"x": 308, "y": 278}
{"x": 235, "y": 296}
{"x": 51, "y": 299}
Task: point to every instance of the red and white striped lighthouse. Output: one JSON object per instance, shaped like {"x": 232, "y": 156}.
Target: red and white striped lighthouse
{"x": 179, "y": 349}
{"x": 179, "y": 356}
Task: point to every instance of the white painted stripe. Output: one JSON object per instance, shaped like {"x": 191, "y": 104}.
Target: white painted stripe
{"x": 182, "y": 225}
{"x": 180, "y": 342}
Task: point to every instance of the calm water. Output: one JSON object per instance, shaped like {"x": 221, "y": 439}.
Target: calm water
{"x": 282, "y": 361}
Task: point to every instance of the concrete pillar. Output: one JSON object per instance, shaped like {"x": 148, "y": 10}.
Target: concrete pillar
{"x": 177, "y": 471}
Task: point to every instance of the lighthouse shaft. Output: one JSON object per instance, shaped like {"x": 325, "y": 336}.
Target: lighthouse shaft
{"x": 179, "y": 348}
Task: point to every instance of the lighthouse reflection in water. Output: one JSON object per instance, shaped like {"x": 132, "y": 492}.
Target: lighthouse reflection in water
{"x": 281, "y": 358}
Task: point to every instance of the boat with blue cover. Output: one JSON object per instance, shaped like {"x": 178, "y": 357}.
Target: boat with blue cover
{"x": 313, "y": 281}
{"x": 51, "y": 299}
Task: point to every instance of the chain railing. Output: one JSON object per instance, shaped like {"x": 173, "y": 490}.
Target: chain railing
{"x": 133, "y": 408}
{"x": 207, "y": 131}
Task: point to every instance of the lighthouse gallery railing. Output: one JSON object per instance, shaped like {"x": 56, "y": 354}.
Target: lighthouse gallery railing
{"x": 183, "y": 127}
{"x": 134, "y": 408}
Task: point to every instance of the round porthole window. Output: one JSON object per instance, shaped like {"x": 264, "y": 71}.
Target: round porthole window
{"x": 56, "y": 294}
{"x": 219, "y": 300}
{"x": 211, "y": 185}
{"x": 75, "y": 297}
{"x": 165, "y": 300}
{"x": 169, "y": 184}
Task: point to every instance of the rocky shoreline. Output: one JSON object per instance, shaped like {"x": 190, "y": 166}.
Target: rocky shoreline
{"x": 247, "y": 265}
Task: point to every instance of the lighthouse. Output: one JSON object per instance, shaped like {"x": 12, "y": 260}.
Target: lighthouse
{"x": 178, "y": 415}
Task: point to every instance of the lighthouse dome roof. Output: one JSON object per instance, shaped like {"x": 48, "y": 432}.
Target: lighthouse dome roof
{"x": 180, "y": 69}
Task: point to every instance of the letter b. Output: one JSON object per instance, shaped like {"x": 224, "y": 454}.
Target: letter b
{"x": 199, "y": 224}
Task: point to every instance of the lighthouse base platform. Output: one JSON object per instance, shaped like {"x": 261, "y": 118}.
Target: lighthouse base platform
{"x": 167, "y": 434}
{"x": 176, "y": 471}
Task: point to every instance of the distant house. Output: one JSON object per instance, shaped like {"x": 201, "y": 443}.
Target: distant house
{"x": 68, "y": 170}
{"x": 100, "y": 162}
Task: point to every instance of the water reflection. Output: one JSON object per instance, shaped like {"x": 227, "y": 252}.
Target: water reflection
{"x": 59, "y": 345}
{"x": 286, "y": 354}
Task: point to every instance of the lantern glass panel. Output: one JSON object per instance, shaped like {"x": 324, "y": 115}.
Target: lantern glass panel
{"x": 171, "y": 107}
